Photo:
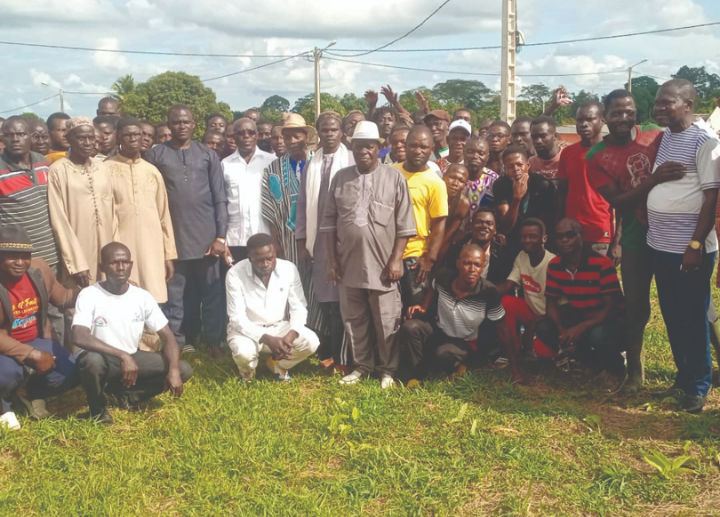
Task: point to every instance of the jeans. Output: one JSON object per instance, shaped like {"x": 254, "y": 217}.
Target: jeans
{"x": 601, "y": 346}
{"x": 100, "y": 371}
{"x": 684, "y": 302}
{"x": 63, "y": 378}
{"x": 195, "y": 289}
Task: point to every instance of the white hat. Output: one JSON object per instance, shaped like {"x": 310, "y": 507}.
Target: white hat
{"x": 461, "y": 123}
{"x": 366, "y": 130}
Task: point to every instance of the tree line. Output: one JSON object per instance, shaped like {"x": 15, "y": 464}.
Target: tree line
{"x": 151, "y": 99}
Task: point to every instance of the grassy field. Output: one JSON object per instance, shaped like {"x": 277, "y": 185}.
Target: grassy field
{"x": 469, "y": 446}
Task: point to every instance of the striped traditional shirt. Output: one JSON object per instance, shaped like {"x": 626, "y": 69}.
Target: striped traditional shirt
{"x": 674, "y": 206}
{"x": 24, "y": 201}
{"x": 460, "y": 318}
{"x": 584, "y": 288}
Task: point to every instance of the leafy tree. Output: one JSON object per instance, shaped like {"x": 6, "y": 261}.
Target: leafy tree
{"x": 707, "y": 85}
{"x": 123, "y": 87}
{"x": 407, "y": 99}
{"x": 29, "y": 115}
{"x": 152, "y": 99}
{"x": 459, "y": 93}
{"x": 527, "y": 109}
{"x": 644, "y": 89}
{"x": 275, "y": 102}
{"x": 579, "y": 99}
{"x": 306, "y": 106}
{"x": 271, "y": 115}
{"x": 537, "y": 94}
{"x": 351, "y": 102}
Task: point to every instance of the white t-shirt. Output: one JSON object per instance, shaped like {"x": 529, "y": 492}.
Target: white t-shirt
{"x": 118, "y": 320}
{"x": 532, "y": 280}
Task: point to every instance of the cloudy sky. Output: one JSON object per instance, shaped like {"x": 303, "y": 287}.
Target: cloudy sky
{"x": 289, "y": 27}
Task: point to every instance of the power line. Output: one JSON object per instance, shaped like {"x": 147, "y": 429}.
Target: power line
{"x": 482, "y": 74}
{"x": 271, "y": 63}
{"x": 539, "y": 44}
{"x": 87, "y": 93}
{"x": 366, "y": 52}
{"x": 142, "y": 52}
{"x": 30, "y": 105}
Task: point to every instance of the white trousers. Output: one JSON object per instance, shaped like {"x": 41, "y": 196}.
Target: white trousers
{"x": 245, "y": 351}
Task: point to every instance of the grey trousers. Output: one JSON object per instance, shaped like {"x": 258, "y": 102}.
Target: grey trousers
{"x": 372, "y": 319}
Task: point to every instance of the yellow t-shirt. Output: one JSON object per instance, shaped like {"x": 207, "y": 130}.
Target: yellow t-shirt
{"x": 429, "y": 200}
{"x": 54, "y": 156}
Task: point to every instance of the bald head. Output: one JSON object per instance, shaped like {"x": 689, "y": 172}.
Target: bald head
{"x": 419, "y": 129}
{"x": 674, "y": 105}
{"x": 109, "y": 251}
{"x": 682, "y": 88}
{"x": 472, "y": 249}
{"x": 17, "y": 121}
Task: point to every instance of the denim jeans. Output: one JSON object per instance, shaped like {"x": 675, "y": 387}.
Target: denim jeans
{"x": 684, "y": 302}
{"x": 63, "y": 378}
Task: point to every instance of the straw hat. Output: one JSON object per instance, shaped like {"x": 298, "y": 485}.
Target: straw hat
{"x": 296, "y": 121}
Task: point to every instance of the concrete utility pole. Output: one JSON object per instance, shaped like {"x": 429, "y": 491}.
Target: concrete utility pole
{"x": 507, "y": 83}
{"x": 630, "y": 73}
{"x": 317, "y": 54}
{"x": 316, "y": 58}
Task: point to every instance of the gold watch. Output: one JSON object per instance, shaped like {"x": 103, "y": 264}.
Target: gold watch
{"x": 696, "y": 245}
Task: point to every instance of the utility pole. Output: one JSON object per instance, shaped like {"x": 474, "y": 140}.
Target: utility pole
{"x": 317, "y": 54}
{"x": 509, "y": 48}
{"x": 316, "y": 58}
{"x": 630, "y": 69}
{"x": 62, "y": 101}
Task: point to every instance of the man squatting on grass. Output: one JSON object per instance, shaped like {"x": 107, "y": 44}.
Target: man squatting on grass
{"x": 394, "y": 230}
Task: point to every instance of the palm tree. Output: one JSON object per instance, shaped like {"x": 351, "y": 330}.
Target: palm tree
{"x": 123, "y": 86}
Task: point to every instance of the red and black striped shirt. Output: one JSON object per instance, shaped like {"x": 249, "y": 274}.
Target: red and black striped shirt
{"x": 585, "y": 288}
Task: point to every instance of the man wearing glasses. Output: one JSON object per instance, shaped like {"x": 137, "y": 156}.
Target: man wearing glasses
{"x": 243, "y": 172}
{"x": 588, "y": 328}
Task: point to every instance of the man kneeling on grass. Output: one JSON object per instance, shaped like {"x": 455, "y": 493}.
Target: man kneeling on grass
{"x": 27, "y": 288}
{"x": 588, "y": 327}
{"x": 108, "y": 325}
{"x": 462, "y": 300}
{"x": 261, "y": 290}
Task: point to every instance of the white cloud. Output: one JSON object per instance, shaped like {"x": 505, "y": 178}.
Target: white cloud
{"x": 109, "y": 60}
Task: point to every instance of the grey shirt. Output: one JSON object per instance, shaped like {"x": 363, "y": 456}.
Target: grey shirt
{"x": 368, "y": 212}
{"x": 196, "y": 195}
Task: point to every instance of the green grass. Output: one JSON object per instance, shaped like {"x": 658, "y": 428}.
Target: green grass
{"x": 469, "y": 446}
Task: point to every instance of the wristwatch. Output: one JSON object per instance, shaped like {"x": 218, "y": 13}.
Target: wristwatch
{"x": 220, "y": 240}
{"x": 696, "y": 245}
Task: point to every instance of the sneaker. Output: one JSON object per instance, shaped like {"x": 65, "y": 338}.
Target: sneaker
{"x": 674, "y": 392}
{"x": 386, "y": 381}
{"x": 10, "y": 421}
{"x": 35, "y": 408}
{"x": 692, "y": 404}
{"x": 245, "y": 377}
{"x": 280, "y": 373}
{"x": 352, "y": 378}
{"x": 104, "y": 417}
{"x": 187, "y": 348}
{"x": 612, "y": 383}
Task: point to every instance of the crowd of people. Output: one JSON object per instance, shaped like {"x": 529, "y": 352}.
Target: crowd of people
{"x": 391, "y": 244}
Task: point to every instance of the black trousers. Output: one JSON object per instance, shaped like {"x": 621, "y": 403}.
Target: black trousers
{"x": 196, "y": 301}
{"x": 427, "y": 348}
{"x": 101, "y": 372}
